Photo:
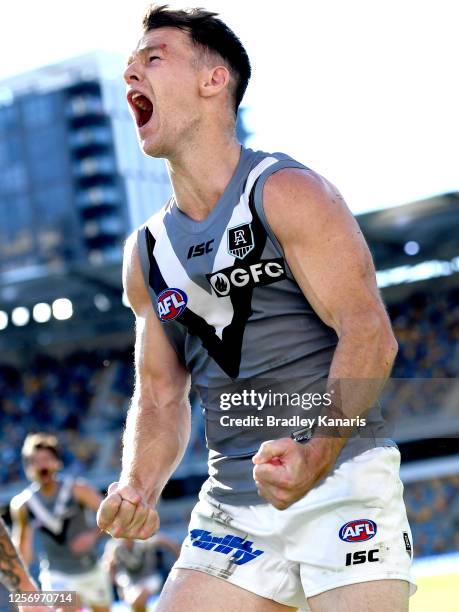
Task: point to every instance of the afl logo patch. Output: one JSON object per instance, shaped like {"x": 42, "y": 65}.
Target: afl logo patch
{"x": 359, "y": 530}
{"x": 171, "y": 303}
{"x": 240, "y": 240}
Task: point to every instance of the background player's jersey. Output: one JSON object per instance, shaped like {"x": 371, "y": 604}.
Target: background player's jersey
{"x": 57, "y": 519}
{"x": 137, "y": 561}
{"x": 237, "y": 319}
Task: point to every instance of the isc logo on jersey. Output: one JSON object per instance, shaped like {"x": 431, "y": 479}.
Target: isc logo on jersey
{"x": 359, "y": 530}
{"x": 171, "y": 303}
{"x": 239, "y": 277}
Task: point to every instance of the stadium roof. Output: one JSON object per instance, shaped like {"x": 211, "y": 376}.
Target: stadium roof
{"x": 431, "y": 226}
{"x": 95, "y": 290}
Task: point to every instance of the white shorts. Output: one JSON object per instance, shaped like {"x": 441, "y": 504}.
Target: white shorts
{"x": 93, "y": 587}
{"x": 151, "y": 584}
{"x": 351, "y": 528}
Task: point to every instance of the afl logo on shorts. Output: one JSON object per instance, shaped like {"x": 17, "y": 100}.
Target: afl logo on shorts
{"x": 171, "y": 303}
{"x": 358, "y": 531}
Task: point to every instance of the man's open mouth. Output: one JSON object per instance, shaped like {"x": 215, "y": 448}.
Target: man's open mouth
{"x": 142, "y": 107}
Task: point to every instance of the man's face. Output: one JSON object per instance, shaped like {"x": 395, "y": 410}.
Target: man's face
{"x": 42, "y": 466}
{"x": 163, "y": 93}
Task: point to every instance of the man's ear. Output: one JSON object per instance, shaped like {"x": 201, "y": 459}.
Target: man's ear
{"x": 214, "y": 81}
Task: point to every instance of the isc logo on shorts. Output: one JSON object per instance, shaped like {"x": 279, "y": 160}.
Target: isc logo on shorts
{"x": 171, "y": 303}
{"x": 359, "y": 530}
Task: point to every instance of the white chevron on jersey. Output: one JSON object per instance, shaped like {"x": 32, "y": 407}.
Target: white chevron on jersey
{"x": 52, "y": 519}
{"x": 218, "y": 312}
{"x": 241, "y": 214}
{"x": 256, "y": 172}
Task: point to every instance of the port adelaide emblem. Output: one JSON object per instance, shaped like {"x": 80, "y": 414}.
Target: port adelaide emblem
{"x": 240, "y": 240}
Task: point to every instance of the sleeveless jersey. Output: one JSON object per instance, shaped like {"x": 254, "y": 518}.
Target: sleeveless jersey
{"x": 237, "y": 319}
{"x": 138, "y": 561}
{"x": 57, "y": 519}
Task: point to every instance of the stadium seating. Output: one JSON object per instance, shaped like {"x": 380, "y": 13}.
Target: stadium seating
{"x": 433, "y": 510}
{"x": 84, "y": 398}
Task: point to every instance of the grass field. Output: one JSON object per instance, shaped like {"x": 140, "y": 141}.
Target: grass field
{"x": 438, "y": 585}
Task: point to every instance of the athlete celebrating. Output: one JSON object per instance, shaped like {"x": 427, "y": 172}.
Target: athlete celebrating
{"x": 56, "y": 509}
{"x": 253, "y": 275}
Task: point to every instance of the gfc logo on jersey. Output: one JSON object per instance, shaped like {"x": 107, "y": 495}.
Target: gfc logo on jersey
{"x": 240, "y": 240}
{"x": 239, "y": 549}
{"x": 359, "y": 530}
{"x": 171, "y": 303}
{"x": 262, "y": 273}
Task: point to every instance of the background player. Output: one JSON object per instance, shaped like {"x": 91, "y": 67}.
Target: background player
{"x": 137, "y": 567}
{"x": 55, "y": 508}
{"x": 186, "y": 79}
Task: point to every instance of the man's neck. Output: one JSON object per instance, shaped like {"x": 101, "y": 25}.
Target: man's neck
{"x": 201, "y": 174}
{"x": 49, "y": 488}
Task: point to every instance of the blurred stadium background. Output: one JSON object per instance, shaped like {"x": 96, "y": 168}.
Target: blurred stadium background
{"x": 73, "y": 184}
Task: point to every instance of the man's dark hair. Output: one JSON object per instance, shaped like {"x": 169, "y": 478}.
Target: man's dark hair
{"x": 208, "y": 32}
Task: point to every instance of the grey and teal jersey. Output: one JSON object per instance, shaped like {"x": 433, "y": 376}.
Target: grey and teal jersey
{"x": 58, "y": 519}
{"x": 234, "y": 313}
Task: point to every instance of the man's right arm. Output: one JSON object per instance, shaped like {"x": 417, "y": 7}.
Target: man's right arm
{"x": 158, "y": 422}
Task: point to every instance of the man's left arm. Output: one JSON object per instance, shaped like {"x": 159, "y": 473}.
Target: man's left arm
{"x": 90, "y": 498}
{"x": 329, "y": 258}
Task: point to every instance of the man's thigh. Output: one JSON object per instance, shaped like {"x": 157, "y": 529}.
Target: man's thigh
{"x": 196, "y": 591}
{"x": 374, "y": 596}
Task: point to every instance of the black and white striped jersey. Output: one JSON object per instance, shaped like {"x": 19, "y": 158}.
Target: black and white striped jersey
{"x": 233, "y": 311}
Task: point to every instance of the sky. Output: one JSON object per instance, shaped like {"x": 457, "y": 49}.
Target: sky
{"x": 365, "y": 92}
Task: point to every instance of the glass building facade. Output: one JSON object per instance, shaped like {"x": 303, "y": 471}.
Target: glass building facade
{"x": 73, "y": 180}
{"x": 60, "y": 193}
{"x": 69, "y": 161}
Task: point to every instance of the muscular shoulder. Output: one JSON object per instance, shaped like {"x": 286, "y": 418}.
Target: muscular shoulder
{"x": 131, "y": 253}
{"x": 292, "y": 194}
{"x": 133, "y": 279}
{"x": 302, "y": 182}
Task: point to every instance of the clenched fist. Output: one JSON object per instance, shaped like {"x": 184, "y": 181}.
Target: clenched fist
{"x": 124, "y": 514}
{"x": 286, "y": 470}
